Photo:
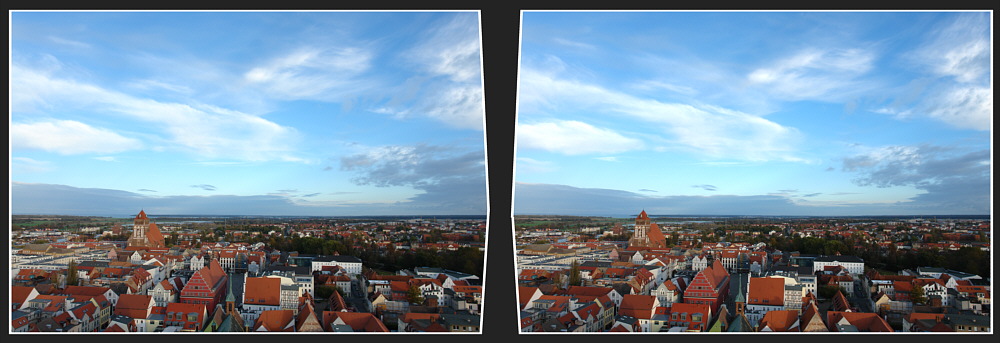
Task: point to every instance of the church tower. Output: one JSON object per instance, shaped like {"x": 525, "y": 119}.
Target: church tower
{"x": 144, "y": 233}
{"x": 141, "y": 225}
{"x": 641, "y": 235}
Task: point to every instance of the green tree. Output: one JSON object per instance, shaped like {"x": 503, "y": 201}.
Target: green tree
{"x": 917, "y": 295}
{"x": 324, "y": 291}
{"x": 414, "y": 295}
{"x": 574, "y": 274}
{"x": 828, "y": 291}
{"x": 71, "y": 276}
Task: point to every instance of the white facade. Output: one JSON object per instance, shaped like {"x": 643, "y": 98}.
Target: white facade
{"x": 699, "y": 263}
{"x": 855, "y": 268}
{"x": 197, "y": 263}
{"x": 665, "y": 295}
{"x": 353, "y": 268}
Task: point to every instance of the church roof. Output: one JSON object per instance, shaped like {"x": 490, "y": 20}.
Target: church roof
{"x": 740, "y": 324}
{"x": 154, "y": 235}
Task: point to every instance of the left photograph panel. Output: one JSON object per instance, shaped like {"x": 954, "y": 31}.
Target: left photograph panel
{"x": 246, "y": 172}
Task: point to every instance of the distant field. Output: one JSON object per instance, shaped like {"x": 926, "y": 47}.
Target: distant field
{"x": 533, "y": 223}
{"x": 34, "y": 223}
{"x": 63, "y": 222}
{"x": 565, "y": 222}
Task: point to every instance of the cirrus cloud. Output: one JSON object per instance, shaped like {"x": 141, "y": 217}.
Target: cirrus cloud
{"x": 706, "y": 130}
{"x": 572, "y": 137}
{"x": 69, "y": 137}
{"x": 203, "y": 130}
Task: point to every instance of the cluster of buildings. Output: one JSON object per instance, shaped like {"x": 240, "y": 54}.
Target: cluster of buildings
{"x": 647, "y": 285}
{"x": 143, "y": 285}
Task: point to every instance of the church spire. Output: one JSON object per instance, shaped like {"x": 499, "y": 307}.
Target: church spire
{"x": 230, "y": 299}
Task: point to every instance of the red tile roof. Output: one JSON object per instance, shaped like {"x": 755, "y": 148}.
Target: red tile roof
{"x": 134, "y": 305}
{"x": 524, "y": 294}
{"x": 263, "y": 291}
{"x": 766, "y": 291}
{"x": 360, "y": 322}
{"x": 85, "y": 290}
{"x": 780, "y": 321}
{"x": 19, "y": 294}
{"x": 276, "y": 321}
{"x": 865, "y": 322}
{"x": 638, "y": 306}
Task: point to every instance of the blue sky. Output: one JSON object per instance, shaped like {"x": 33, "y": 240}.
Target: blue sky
{"x": 271, "y": 113}
{"x": 754, "y": 113}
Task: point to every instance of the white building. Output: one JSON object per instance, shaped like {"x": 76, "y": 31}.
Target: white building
{"x": 350, "y": 263}
{"x": 852, "y": 264}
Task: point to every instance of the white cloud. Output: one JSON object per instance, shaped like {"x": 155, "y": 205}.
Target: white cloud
{"x": 814, "y": 74}
{"x": 607, "y": 158}
{"x": 106, "y": 158}
{"x": 458, "y": 106}
{"x": 960, "y": 50}
{"x": 955, "y": 88}
{"x": 965, "y": 107}
{"x": 703, "y": 129}
{"x": 449, "y": 88}
{"x": 893, "y": 112}
{"x": 312, "y": 73}
{"x": 205, "y": 130}
{"x": 452, "y": 49}
{"x": 69, "y": 137}
{"x": 573, "y": 138}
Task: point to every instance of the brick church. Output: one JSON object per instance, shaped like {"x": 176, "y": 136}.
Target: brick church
{"x": 647, "y": 234}
{"x": 145, "y": 234}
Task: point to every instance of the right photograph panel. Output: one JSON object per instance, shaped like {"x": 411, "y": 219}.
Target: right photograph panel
{"x": 750, "y": 171}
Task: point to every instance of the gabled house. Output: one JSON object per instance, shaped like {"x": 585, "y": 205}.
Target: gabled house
{"x": 526, "y": 295}
{"x": 187, "y": 317}
{"x": 709, "y": 286}
{"x": 20, "y": 295}
{"x": 640, "y": 307}
{"x": 685, "y": 317}
{"x": 421, "y": 322}
{"x": 307, "y": 320}
{"x": 780, "y": 321}
{"x": 669, "y": 291}
{"x": 135, "y": 305}
{"x": 764, "y": 295}
{"x": 856, "y": 322}
{"x": 352, "y": 322}
{"x": 811, "y": 319}
{"x": 260, "y": 294}
{"x": 207, "y": 286}
{"x": 275, "y": 321}
{"x": 167, "y": 291}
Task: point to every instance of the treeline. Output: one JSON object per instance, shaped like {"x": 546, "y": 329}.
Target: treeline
{"x": 467, "y": 259}
{"x": 966, "y": 259}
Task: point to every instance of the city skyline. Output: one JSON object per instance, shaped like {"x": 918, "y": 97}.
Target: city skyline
{"x": 256, "y": 113}
{"x": 754, "y": 113}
